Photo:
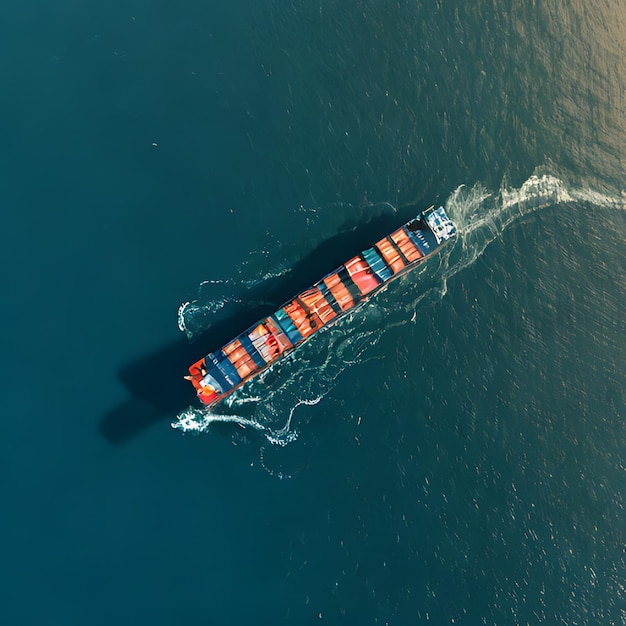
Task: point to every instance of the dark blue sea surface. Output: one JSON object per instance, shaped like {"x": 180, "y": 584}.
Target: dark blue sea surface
{"x": 453, "y": 452}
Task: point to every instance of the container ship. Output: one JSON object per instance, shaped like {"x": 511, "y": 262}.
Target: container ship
{"x": 273, "y": 338}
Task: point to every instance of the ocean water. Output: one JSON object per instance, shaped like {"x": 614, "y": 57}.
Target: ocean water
{"x": 453, "y": 452}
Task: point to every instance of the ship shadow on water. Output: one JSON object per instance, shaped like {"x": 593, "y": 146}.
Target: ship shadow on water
{"x": 155, "y": 381}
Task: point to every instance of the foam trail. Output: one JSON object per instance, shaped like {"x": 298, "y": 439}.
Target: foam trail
{"x": 480, "y": 215}
{"x": 197, "y": 420}
{"x": 599, "y": 199}
{"x": 182, "y": 326}
{"x": 285, "y": 435}
{"x": 215, "y": 295}
{"x": 196, "y": 316}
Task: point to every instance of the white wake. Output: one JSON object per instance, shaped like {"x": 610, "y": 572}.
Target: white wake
{"x": 305, "y": 378}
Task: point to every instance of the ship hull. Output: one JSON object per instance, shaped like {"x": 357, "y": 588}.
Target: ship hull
{"x": 277, "y": 336}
